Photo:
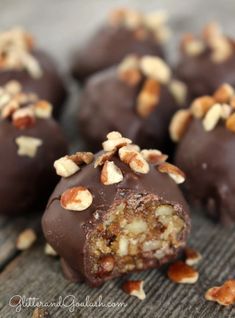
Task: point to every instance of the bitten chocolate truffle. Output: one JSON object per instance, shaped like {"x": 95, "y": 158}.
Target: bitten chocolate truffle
{"x": 30, "y": 141}
{"x": 117, "y": 212}
{"x": 137, "y": 98}
{"x": 125, "y": 32}
{"x": 34, "y": 69}
{"x": 206, "y": 152}
{"x": 207, "y": 61}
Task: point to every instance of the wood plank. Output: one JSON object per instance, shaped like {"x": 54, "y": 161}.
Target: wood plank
{"x": 10, "y": 228}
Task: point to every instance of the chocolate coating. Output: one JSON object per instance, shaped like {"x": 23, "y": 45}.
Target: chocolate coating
{"x": 68, "y": 231}
{"x": 207, "y": 158}
{"x": 26, "y": 182}
{"x": 108, "y": 103}
{"x": 108, "y": 46}
{"x": 202, "y": 75}
{"x": 49, "y": 87}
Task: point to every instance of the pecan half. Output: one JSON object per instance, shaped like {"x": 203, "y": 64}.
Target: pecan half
{"x": 134, "y": 288}
{"x": 224, "y": 295}
{"x": 179, "y": 272}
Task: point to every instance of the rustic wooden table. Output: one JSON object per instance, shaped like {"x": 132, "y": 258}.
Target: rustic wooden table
{"x": 59, "y": 26}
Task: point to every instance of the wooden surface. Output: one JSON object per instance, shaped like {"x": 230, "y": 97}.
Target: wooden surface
{"x": 59, "y": 26}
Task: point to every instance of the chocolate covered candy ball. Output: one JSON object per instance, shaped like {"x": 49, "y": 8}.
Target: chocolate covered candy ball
{"x": 137, "y": 98}
{"x": 117, "y": 212}
{"x": 206, "y": 150}
{"x": 34, "y": 69}
{"x": 207, "y": 61}
{"x": 30, "y": 141}
{"x": 125, "y": 32}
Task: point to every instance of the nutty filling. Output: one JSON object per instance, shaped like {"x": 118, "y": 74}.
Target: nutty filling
{"x": 135, "y": 234}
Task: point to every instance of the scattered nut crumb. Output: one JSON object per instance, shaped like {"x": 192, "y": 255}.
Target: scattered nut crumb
{"x": 23, "y": 118}
{"x": 104, "y": 157}
{"x": 76, "y": 199}
{"x": 230, "y": 123}
{"x": 49, "y": 250}
{"x": 114, "y": 135}
{"x": 131, "y": 77}
{"x": 179, "y": 272}
{"x": 142, "y": 24}
{"x": 43, "y": 109}
{"x": 226, "y": 111}
{"x": 115, "y": 141}
{"x": 212, "y": 117}
{"x": 127, "y": 153}
{"x": 130, "y": 155}
{"x": 163, "y": 34}
{"x": 156, "y": 19}
{"x": 223, "y": 94}
{"x": 65, "y": 167}
{"x": 224, "y": 295}
{"x": 179, "y": 124}
{"x": 13, "y": 87}
{"x": 148, "y": 98}
{"x": 28, "y": 146}
{"x": 201, "y": 105}
{"x": 17, "y": 54}
{"x": 131, "y": 62}
{"x": 110, "y": 173}
{"x": 179, "y": 91}
{"x": 155, "y": 68}
{"x": 139, "y": 164}
{"x": 232, "y": 102}
{"x": 193, "y": 257}
{"x": 194, "y": 47}
{"x": 40, "y": 313}
{"x": 134, "y": 288}
{"x": 153, "y": 156}
{"x": 221, "y": 49}
{"x": 26, "y": 239}
{"x": 174, "y": 172}
{"x": 9, "y": 109}
{"x": 82, "y": 157}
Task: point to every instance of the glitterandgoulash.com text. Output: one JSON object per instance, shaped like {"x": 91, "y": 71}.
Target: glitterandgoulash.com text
{"x": 69, "y": 302}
